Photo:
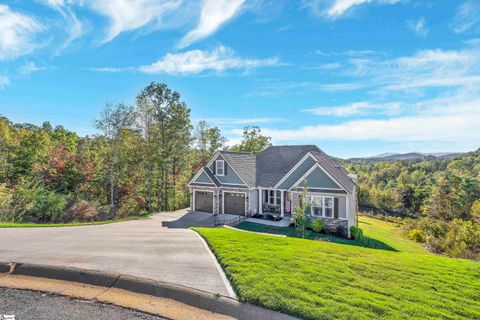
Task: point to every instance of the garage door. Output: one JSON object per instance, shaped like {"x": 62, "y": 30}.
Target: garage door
{"x": 234, "y": 203}
{"x": 204, "y": 201}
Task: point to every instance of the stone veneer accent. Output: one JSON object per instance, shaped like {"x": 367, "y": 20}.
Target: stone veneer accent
{"x": 331, "y": 224}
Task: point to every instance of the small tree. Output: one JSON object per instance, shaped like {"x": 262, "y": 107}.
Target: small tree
{"x": 475, "y": 211}
{"x": 253, "y": 141}
{"x": 300, "y": 218}
{"x": 112, "y": 121}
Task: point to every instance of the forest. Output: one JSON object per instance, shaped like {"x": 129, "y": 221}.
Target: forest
{"x": 144, "y": 155}
{"x": 140, "y": 163}
{"x": 437, "y": 201}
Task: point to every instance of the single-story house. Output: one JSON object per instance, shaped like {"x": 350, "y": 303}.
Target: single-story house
{"x": 273, "y": 182}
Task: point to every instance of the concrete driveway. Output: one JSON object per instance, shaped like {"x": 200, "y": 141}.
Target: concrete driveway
{"x": 160, "y": 247}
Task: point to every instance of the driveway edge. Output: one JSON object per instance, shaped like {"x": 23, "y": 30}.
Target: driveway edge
{"x": 227, "y": 283}
{"x": 193, "y": 297}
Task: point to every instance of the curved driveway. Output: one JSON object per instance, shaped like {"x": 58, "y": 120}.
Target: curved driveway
{"x": 160, "y": 247}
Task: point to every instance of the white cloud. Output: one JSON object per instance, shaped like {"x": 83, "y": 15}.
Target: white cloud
{"x": 330, "y": 66}
{"x": 467, "y": 17}
{"x": 356, "y": 108}
{"x": 246, "y": 121}
{"x": 17, "y": 33}
{"x": 214, "y": 13}
{"x": 31, "y": 67}
{"x": 275, "y": 88}
{"x": 71, "y": 24}
{"x": 127, "y": 15}
{"x": 424, "y": 69}
{"x": 334, "y": 9}
{"x": 4, "y": 81}
{"x": 196, "y": 61}
{"x": 447, "y": 121}
{"x": 418, "y": 26}
{"x": 111, "y": 69}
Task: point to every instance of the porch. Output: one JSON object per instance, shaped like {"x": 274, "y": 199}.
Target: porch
{"x": 283, "y": 222}
{"x": 277, "y": 203}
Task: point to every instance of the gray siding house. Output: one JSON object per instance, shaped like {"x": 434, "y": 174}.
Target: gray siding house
{"x": 273, "y": 181}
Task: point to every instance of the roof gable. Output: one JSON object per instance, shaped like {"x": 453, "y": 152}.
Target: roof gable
{"x": 275, "y": 162}
{"x": 239, "y": 168}
{"x": 204, "y": 177}
{"x": 296, "y": 173}
{"x": 316, "y": 178}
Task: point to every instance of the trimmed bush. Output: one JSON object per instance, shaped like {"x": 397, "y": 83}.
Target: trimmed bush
{"x": 318, "y": 225}
{"x": 341, "y": 231}
{"x": 356, "y": 233}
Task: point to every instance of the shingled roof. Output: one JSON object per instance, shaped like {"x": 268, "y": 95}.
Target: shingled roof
{"x": 334, "y": 169}
{"x": 275, "y": 162}
{"x": 268, "y": 167}
{"x": 243, "y": 163}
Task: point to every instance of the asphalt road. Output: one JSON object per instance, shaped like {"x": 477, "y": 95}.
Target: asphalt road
{"x": 28, "y": 305}
{"x": 160, "y": 247}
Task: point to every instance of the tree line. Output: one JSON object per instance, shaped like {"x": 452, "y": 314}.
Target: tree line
{"x": 147, "y": 153}
{"x": 439, "y": 199}
{"x": 141, "y": 163}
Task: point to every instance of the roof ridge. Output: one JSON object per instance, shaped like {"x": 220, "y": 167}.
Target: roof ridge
{"x": 232, "y": 151}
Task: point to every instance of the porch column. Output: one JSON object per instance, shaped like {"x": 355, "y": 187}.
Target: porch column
{"x": 282, "y": 204}
{"x": 260, "y": 201}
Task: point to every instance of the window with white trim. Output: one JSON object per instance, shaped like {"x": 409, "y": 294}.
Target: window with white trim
{"x": 322, "y": 206}
{"x": 274, "y": 197}
{"x": 328, "y": 207}
{"x": 220, "y": 167}
{"x": 317, "y": 206}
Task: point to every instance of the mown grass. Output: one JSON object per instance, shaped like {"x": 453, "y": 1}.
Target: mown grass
{"x": 325, "y": 280}
{"x": 293, "y": 233}
{"x": 70, "y": 224}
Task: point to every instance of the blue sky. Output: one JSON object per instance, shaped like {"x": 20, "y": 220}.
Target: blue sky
{"x": 355, "y": 77}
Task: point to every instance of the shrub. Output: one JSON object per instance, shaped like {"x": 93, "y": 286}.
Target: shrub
{"x": 129, "y": 206}
{"x": 416, "y": 235}
{"x": 83, "y": 211}
{"x": 341, "y": 231}
{"x": 34, "y": 203}
{"x": 5, "y": 203}
{"x": 356, "y": 233}
{"x": 318, "y": 225}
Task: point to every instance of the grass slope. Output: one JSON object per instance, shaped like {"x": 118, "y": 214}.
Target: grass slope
{"x": 322, "y": 280}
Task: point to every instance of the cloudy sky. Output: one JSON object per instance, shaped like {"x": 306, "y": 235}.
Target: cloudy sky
{"x": 355, "y": 77}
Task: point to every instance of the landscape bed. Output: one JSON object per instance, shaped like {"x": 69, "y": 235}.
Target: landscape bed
{"x": 324, "y": 280}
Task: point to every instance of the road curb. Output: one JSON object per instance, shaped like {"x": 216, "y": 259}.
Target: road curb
{"x": 193, "y": 297}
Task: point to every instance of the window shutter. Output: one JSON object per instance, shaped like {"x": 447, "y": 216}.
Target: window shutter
{"x": 335, "y": 208}
{"x": 214, "y": 166}
{"x": 224, "y": 168}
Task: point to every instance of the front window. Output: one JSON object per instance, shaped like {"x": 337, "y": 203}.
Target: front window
{"x": 274, "y": 197}
{"x": 322, "y": 206}
{"x": 317, "y": 206}
{"x": 328, "y": 207}
{"x": 219, "y": 167}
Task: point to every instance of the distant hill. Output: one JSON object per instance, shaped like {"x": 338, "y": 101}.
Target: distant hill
{"x": 391, "y": 157}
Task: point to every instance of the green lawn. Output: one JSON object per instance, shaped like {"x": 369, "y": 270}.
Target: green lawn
{"x": 325, "y": 280}
{"x": 70, "y": 224}
{"x": 291, "y": 232}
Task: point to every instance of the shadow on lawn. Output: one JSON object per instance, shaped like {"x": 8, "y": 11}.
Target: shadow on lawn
{"x": 310, "y": 235}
